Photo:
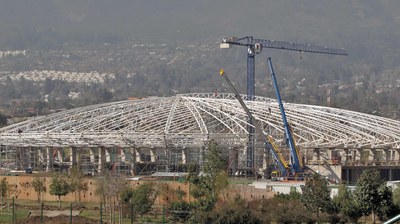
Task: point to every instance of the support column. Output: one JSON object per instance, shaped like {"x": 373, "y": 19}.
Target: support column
{"x": 388, "y": 155}
{"x": 153, "y": 155}
{"x": 60, "y": 156}
{"x": 392, "y": 154}
{"x": 357, "y": 155}
{"x": 316, "y": 157}
{"x": 329, "y": 155}
{"x": 49, "y": 159}
{"x": 233, "y": 158}
{"x": 18, "y": 161}
{"x": 40, "y": 158}
{"x": 73, "y": 158}
{"x": 137, "y": 155}
{"x": 184, "y": 153}
{"x": 91, "y": 156}
{"x": 396, "y": 156}
{"x": 123, "y": 156}
{"x": 107, "y": 155}
{"x": 346, "y": 157}
{"x": 132, "y": 160}
{"x": 102, "y": 159}
{"x": 305, "y": 156}
{"x": 372, "y": 155}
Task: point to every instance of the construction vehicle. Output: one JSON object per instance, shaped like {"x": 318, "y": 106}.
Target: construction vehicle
{"x": 270, "y": 144}
{"x": 297, "y": 165}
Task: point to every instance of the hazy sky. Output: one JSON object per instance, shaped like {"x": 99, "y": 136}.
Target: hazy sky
{"x": 368, "y": 28}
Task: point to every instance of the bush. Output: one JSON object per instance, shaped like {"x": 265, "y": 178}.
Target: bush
{"x": 181, "y": 210}
{"x": 236, "y": 211}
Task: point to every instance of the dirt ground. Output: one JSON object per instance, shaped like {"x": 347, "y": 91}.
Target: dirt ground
{"x": 54, "y": 213}
{"x": 61, "y": 219}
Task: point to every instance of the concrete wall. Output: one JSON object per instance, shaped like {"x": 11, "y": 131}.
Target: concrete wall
{"x": 29, "y": 194}
{"x": 332, "y": 172}
{"x": 166, "y": 196}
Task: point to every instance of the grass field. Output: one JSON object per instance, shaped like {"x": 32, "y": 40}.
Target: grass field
{"x": 6, "y": 214}
{"x": 88, "y": 210}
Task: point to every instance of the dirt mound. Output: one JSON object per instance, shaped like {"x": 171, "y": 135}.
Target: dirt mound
{"x": 61, "y": 219}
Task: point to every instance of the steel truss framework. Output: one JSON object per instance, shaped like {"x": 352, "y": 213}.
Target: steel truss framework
{"x": 191, "y": 120}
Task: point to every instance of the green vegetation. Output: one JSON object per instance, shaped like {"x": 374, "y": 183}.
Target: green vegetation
{"x": 209, "y": 203}
{"x": 347, "y": 205}
{"x": 3, "y": 189}
{"x": 206, "y": 186}
{"x": 126, "y": 204}
{"x": 59, "y": 186}
{"x": 141, "y": 199}
{"x": 76, "y": 183}
{"x": 372, "y": 195}
{"x": 38, "y": 185}
{"x": 110, "y": 188}
{"x": 316, "y": 195}
{"x": 6, "y": 215}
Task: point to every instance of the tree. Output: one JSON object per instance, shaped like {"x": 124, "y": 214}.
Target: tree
{"x": 293, "y": 195}
{"x": 292, "y": 211}
{"x": 233, "y": 212}
{"x": 396, "y": 196}
{"x": 347, "y": 206}
{"x": 110, "y": 188}
{"x": 39, "y": 187}
{"x": 59, "y": 187}
{"x": 3, "y": 189}
{"x": 207, "y": 186}
{"x": 372, "y": 194}
{"x": 316, "y": 195}
{"x": 180, "y": 210}
{"x": 141, "y": 199}
{"x": 77, "y": 182}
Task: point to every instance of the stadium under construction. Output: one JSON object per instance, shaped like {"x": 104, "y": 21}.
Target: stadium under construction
{"x": 166, "y": 134}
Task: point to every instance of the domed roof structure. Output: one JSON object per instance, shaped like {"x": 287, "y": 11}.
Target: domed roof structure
{"x": 190, "y": 120}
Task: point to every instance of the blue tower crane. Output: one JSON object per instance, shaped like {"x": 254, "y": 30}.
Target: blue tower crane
{"x": 254, "y": 47}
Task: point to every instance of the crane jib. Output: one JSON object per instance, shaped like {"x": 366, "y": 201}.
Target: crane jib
{"x": 284, "y": 45}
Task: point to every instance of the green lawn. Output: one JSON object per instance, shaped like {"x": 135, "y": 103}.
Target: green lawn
{"x": 6, "y": 214}
{"x": 90, "y": 210}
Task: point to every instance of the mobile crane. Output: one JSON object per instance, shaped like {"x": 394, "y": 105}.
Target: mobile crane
{"x": 297, "y": 165}
{"x": 269, "y": 141}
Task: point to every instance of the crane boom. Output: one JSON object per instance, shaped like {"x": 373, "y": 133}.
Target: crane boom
{"x": 270, "y": 143}
{"x": 258, "y": 44}
{"x": 297, "y": 164}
